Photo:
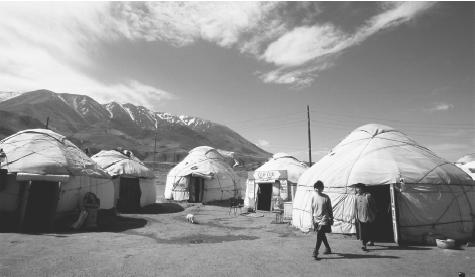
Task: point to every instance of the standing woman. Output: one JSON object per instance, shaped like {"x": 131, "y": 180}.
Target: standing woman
{"x": 322, "y": 214}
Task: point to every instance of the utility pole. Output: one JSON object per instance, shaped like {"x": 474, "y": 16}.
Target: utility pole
{"x": 47, "y": 122}
{"x": 155, "y": 147}
{"x": 309, "y": 139}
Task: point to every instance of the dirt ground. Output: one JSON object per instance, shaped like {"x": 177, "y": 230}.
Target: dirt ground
{"x": 159, "y": 242}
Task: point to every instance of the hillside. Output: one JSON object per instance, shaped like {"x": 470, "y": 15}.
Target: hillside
{"x": 97, "y": 126}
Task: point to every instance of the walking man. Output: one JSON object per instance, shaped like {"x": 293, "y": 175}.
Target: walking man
{"x": 365, "y": 214}
{"x": 322, "y": 215}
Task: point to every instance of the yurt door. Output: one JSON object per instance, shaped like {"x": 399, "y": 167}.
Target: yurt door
{"x": 41, "y": 202}
{"x": 264, "y": 196}
{"x": 383, "y": 222}
{"x": 129, "y": 195}
{"x": 196, "y": 189}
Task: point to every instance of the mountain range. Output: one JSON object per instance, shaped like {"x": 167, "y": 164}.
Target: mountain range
{"x": 150, "y": 135}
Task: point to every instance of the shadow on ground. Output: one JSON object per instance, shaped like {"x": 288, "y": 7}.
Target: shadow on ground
{"x": 161, "y": 208}
{"x": 107, "y": 222}
{"x": 335, "y": 256}
{"x": 400, "y": 247}
{"x": 192, "y": 239}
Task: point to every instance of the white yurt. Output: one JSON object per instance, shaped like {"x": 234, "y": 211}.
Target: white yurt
{"x": 134, "y": 183}
{"x": 277, "y": 178}
{"x": 203, "y": 176}
{"x": 418, "y": 194}
{"x": 48, "y": 176}
{"x": 467, "y": 164}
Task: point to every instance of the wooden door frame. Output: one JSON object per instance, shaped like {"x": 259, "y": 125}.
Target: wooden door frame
{"x": 395, "y": 214}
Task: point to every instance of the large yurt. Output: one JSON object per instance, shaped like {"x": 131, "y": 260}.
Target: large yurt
{"x": 467, "y": 164}
{"x": 277, "y": 178}
{"x": 417, "y": 193}
{"x": 134, "y": 183}
{"x": 48, "y": 176}
{"x": 203, "y": 176}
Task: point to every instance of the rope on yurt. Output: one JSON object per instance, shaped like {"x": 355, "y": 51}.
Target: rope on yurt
{"x": 454, "y": 194}
{"x": 472, "y": 212}
{"x": 17, "y": 144}
{"x": 450, "y": 189}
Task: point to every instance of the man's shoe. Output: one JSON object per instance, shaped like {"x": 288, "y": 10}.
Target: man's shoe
{"x": 364, "y": 249}
{"x": 315, "y": 255}
{"x": 371, "y": 243}
{"x": 327, "y": 251}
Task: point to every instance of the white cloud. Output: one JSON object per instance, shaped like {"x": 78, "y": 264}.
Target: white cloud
{"x": 440, "y": 107}
{"x": 303, "y": 44}
{"x": 262, "y": 143}
{"x": 182, "y": 23}
{"x": 47, "y": 46}
{"x": 296, "y": 78}
{"x": 310, "y": 46}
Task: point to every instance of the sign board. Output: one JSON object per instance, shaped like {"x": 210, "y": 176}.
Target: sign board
{"x": 270, "y": 175}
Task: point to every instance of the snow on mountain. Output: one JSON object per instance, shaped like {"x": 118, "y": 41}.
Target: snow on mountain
{"x": 5, "y": 95}
{"x": 85, "y": 106}
{"x": 107, "y": 125}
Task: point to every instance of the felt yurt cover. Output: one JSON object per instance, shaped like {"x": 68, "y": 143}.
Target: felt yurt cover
{"x": 283, "y": 167}
{"x": 433, "y": 195}
{"x": 124, "y": 164}
{"x": 41, "y": 154}
{"x": 283, "y": 161}
{"x": 220, "y": 181}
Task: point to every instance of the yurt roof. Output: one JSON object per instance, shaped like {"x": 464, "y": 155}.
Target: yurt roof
{"x": 283, "y": 161}
{"x": 122, "y": 163}
{"x": 205, "y": 151}
{"x": 203, "y": 161}
{"x": 375, "y": 154}
{"x": 44, "y": 152}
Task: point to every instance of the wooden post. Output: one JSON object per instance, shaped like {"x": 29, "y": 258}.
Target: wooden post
{"x": 394, "y": 214}
{"x": 155, "y": 147}
{"x": 309, "y": 139}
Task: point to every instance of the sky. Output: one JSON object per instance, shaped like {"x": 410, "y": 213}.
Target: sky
{"x": 255, "y": 66}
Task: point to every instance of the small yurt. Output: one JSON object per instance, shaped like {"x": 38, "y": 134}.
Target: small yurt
{"x": 203, "y": 176}
{"x": 467, "y": 164}
{"x": 277, "y": 178}
{"x": 134, "y": 183}
{"x": 417, "y": 193}
{"x": 48, "y": 176}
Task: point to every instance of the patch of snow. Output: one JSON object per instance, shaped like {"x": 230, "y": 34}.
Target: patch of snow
{"x": 129, "y": 111}
{"x": 5, "y": 95}
{"x": 64, "y": 100}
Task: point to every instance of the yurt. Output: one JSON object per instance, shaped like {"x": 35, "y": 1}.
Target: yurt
{"x": 277, "y": 178}
{"x": 418, "y": 194}
{"x": 467, "y": 164}
{"x": 134, "y": 183}
{"x": 48, "y": 176}
{"x": 203, "y": 176}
